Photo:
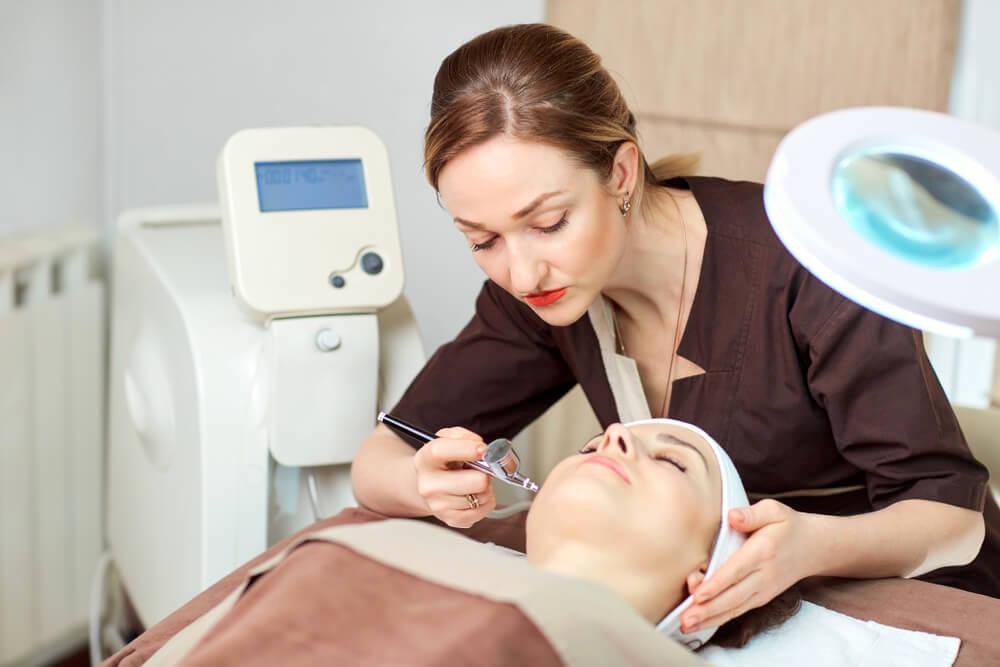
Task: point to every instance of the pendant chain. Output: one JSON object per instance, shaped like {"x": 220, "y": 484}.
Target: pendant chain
{"x": 677, "y": 326}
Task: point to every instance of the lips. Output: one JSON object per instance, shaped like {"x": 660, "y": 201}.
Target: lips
{"x": 611, "y": 464}
{"x": 545, "y": 298}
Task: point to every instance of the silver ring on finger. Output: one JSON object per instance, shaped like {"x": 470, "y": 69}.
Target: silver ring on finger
{"x": 473, "y": 501}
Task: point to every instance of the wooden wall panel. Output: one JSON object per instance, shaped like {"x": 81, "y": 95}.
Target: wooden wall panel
{"x": 731, "y": 78}
{"x": 736, "y": 153}
{"x": 769, "y": 63}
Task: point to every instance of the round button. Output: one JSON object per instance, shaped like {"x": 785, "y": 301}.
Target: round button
{"x": 327, "y": 340}
{"x": 371, "y": 263}
{"x": 337, "y": 281}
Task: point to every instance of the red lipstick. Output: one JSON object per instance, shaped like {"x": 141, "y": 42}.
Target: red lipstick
{"x": 609, "y": 463}
{"x": 545, "y": 298}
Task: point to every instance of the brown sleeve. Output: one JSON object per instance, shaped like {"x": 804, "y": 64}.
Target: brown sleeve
{"x": 889, "y": 415}
{"x": 501, "y": 372}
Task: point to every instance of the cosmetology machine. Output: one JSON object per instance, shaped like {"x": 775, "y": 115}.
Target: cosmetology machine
{"x": 238, "y": 399}
{"x": 897, "y": 209}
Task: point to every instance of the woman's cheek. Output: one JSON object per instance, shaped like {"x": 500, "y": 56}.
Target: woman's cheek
{"x": 593, "y": 250}
{"x": 681, "y": 503}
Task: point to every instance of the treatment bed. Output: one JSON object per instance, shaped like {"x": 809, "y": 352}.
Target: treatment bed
{"x": 379, "y": 615}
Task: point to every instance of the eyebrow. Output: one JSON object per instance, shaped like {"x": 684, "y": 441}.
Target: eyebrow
{"x": 674, "y": 440}
{"x": 524, "y": 212}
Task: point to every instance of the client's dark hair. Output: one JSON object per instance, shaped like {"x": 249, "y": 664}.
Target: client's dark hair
{"x": 737, "y": 632}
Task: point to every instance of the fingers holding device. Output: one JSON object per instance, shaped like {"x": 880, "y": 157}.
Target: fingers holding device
{"x": 454, "y": 493}
{"x": 458, "y": 495}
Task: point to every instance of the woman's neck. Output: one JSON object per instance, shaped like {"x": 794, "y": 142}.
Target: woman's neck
{"x": 652, "y": 596}
{"x": 646, "y": 286}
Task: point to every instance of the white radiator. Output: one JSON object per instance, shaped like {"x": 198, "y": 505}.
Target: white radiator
{"x": 52, "y": 396}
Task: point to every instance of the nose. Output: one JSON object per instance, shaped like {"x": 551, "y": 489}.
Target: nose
{"x": 526, "y": 270}
{"x": 617, "y": 441}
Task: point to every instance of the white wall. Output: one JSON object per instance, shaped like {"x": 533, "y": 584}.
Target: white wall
{"x": 50, "y": 171}
{"x": 966, "y": 367}
{"x": 184, "y": 75}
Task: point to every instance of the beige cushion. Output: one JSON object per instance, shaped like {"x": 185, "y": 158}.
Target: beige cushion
{"x": 982, "y": 430}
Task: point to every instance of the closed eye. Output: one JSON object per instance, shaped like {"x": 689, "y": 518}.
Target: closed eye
{"x": 672, "y": 461}
{"x": 591, "y": 446}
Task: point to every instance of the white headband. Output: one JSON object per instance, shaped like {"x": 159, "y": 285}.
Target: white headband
{"x": 727, "y": 541}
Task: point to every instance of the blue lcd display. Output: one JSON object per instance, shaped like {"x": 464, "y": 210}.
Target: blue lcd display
{"x": 306, "y": 185}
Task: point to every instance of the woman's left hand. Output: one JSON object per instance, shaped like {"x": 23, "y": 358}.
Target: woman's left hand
{"x": 778, "y": 553}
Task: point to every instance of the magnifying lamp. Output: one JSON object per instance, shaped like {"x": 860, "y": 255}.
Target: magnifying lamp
{"x": 897, "y": 209}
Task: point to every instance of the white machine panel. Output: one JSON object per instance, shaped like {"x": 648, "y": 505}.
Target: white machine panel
{"x": 323, "y": 387}
{"x": 201, "y": 398}
{"x": 310, "y": 221}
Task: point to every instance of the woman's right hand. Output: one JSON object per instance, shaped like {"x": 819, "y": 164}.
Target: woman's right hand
{"x": 455, "y": 494}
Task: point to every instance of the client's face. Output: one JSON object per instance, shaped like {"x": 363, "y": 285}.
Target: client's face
{"x": 645, "y": 499}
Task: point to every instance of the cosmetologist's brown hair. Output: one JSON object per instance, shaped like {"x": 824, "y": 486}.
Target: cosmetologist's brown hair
{"x": 536, "y": 83}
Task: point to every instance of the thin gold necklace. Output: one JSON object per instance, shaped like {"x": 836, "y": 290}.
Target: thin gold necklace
{"x": 677, "y": 326}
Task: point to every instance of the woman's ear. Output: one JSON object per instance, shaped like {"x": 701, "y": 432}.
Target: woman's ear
{"x": 695, "y": 578}
{"x": 625, "y": 169}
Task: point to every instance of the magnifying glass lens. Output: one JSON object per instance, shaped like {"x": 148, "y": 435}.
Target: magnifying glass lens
{"x": 916, "y": 209}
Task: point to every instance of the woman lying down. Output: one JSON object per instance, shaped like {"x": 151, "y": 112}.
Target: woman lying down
{"x": 617, "y": 539}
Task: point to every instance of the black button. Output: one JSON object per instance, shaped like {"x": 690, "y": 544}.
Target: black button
{"x": 337, "y": 281}
{"x": 371, "y": 263}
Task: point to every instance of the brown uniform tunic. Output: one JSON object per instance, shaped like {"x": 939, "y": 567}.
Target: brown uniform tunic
{"x": 819, "y": 402}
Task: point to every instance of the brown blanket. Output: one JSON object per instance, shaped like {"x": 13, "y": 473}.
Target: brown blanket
{"x": 410, "y": 606}
{"x": 479, "y": 631}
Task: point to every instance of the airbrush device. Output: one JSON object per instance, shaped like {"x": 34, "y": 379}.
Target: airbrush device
{"x": 500, "y": 460}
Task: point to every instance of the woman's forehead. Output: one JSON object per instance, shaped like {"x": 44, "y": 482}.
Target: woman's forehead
{"x": 504, "y": 173}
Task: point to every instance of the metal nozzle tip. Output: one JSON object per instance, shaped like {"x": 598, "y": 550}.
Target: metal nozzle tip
{"x": 380, "y": 417}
